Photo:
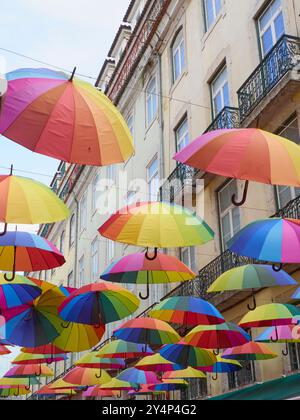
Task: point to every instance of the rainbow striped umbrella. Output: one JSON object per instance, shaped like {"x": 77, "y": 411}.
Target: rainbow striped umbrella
{"x": 120, "y": 349}
{"x": 246, "y": 153}
{"x": 20, "y": 291}
{"x": 99, "y": 304}
{"x": 65, "y": 118}
{"x": 138, "y": 376}
{"x": 286, "y": 334}
{"x": 84, "y": 377}
{"x": 222, "y": 366}
{"x": 3, "y": 350}
{"x": 249, "y": 352}
{"x": 145, "y": 390}
{"x": 46, "y": 391}
{"x": 76, "y": 338}
{"x": 169, "y": 385}
{"x": 188, "y": 311}
{"x": 38, "y": 359}
{"x": 117, "y": 385}
{"x": 96, "y": 392}
{"x": 187, "y": 356}
{"x": 15, "y": 391}
{"x": 46, "y": 349}
{"x": 275, "y": 240}
{"x": 157, "y": 363}
{"x": 29, "y": 371}
{"x": 91, "y": 360}
{"x": 188, "y": 373}
{"x": 60, "y": 385}
{"x": 21, "y": 251}
{"x": 147, "y": 331}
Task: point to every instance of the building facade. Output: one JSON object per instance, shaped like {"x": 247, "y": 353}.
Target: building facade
{"x": 177, "y": 69}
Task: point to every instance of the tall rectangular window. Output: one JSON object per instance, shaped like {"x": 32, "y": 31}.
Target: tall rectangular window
{"x": 182, "y": 135}
{"x": 220, "y": 91}
{"x": 212, "y": 11}
{"x": 83, "y": 213}
{"x": 229, "y": 214}
{"x": 151, "y": 101}
{"x": 153, "y": 179}
{"x": 71, "y": 279}
{"x": 188, "y": 257}
{"x": 81, "y": 272}
{"x": 111, "y": 250}
{"x": 95, "y": 260}
{"x": 271, "y": 26}
{"x": 95, "y": 193}
{"x": 178, "y": 56}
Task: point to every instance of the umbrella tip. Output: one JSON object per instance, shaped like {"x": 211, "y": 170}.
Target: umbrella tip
{"x": 11, "y": 169}
{"x": 73, "y": 74}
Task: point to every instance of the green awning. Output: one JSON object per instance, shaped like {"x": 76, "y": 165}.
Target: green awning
{"x": 277, "y": 390}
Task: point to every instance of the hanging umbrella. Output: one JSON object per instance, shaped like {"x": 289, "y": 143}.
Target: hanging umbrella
{"x": 46, "y": 391}
{"x": 138, "y": 376}
{"x": 187, "y": 356}
{"x": 188, "y": 373}
{"x": 99, "y": 304}
{"x": 147, "y": 331}
{"x": 25, "y": 201}
{"x": 14, "y": 392}
{"x": 60, "y": 385}
{"x": 275, "y": 240}
{"x": 145, "y": 390}
{"x": 4, "y": 351}
{"x": 117, "y": 385}
{"x": 37, "y": 359}
{"x": 60, "y": 116}
{"x": 96, "y": 392}
{"x": 222, "y": 366}
{"x": 157, "y": 363}
{"x": 248, "y": 154}
{"x": 29, "y": 371}
{"x": 217, "y": 337}
{"x": 16, "y": 382}
{"x": 137, "y": 269}
{"x": 37, "y": 323}
{"x": 21, "y": 291}
{"x": 76, "y": 338}
{"x": 157, "y": 225}
{"x": 170, "y": 385}
{"x": 91, "y": 360}
{"x": 187, "y": 311}
{"x": 251, "y": 277}
{"x": 86, "y": 377}
{"x": 46, "y": 349}
{"x": 120, "y": 349}
{"x": 249, "y": 352}
{"x": 21, "y": 251}
{"x": 286, "y": 335}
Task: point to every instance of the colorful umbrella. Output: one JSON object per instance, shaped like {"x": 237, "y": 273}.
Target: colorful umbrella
{"x": 157, "y": 225}
{"x": 60, "y": 384}
{"x": 145, "y": 390}
{"x": 74, "y": 338}
{"x": 65, "y": 118}
{"x": 189, "y": 373}
{"x": 21, "y": 291}
{"x": 29, "y": 371}
{"x": 217, "y": 337}
{"x": 37, "y": 359}
{"x": 28, "y": 202}
{"x": 137, "y": 269}
{"x": 21, "y": 251}
{"x": 251, "y": 277}
{"x": 147, "y": 331}
{"x": 286, "y": 334}
{"x": 187, "y": 356}
{"x": 222, "y": 366}
{"x": 91, "y": 360}
{"x": 99, "y": 304}
{"x": 86, "y": 377}
{"x": 3, "y": 350}
{"x": 138, "y": 376}
{"x": 157, "y": 363}
{"x": 14, "y": 392}
{"x": 248, "y": 154}
{"x": 169, "y": 385}
{"x": 117, "y": 385}
{"x": 96, "y": 392}
{"x": 16, "y": 382}
{"x": 187, "y": 311}
{"x": 37, "y": 323}
{"x": 48, "y": 392}
{"x": 275, "y": 240}
{"x": 47, "y": 349}
{"x": 249, "y": 352}
{"x": 296, "y": 295}
{"x": 124, "y": 350}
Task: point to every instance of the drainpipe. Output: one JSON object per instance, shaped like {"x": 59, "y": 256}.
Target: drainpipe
{"x": 161, "y": 118}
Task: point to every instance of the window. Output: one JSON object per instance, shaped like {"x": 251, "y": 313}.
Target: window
{"x": 71, "y": 279}
{"x": 229, "y": 214}
{"x": 220, "y": 92}
{"x": 178, "y": 56}
{"x": 287, "y": 194}
{"x": 212, "y": 10}
{"x": 294, "y": 352}
{"x": 130, "y": 123}
{"x": 151, "y": 101}
{"x": 62, "y": 242}
{"x": 95, "y": 260}
{"x": 83, "y": 213}
{"x": 111, "y": 250}
{"x": 72, "y": 230}
{"x": 81, "y": 272}
{"x": 131, "y": 198}
{"x": 112, "y": 174}
{"x": 153, "y": 179}
{"x": 271, "y": 26}
{"x": 95, "y": 193}
{"x": 188, "y": 257}
{"x": 182, "y": 135}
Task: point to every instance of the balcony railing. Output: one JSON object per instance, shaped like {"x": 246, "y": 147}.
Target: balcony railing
{"x": 284, "y": 57}
{"x": 184, "y": 175}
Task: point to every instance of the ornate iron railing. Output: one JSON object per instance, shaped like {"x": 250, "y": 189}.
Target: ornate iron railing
{"x": 284, "y": 57}
{"x": 229, "y": 117}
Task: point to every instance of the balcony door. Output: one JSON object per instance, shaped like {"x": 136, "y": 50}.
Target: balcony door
{"x": 271, "y": 26}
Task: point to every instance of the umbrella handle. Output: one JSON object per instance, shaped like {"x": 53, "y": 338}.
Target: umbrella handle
{"x": 252, "y": 308}
{"x": 278, "y": 268}
{"x": 276, "y": 339}
{"x": 10, "y": 279}
{"x": 217, "y": 352}
{"x": 4, "y": 231}
{"x": 148, "y": 290}
{"x": 65, "y": 326}
{"x": 215, "y": 377}
{"x": 119, "y": 396}
{"x": 237, "y": 203}
{"x": 285, "y": 352}
{"x": 17, "y": 394}
{"x": 148, "y": 257}
{"x": 27, "y": 388}
{"x": 98, "y": 376}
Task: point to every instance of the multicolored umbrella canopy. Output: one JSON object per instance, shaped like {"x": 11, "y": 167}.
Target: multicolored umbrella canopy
{"x": 296, "y": 295}
{"x": 65, "y": 118}
{"x": 157, "y": 225}
{"x": 124, "y": 350}
{"x": 218, "y": 337}
{"x": 92, "y": 360}
{"x": 117, "y": 385}
{"x": 29, "y": 371}
{"x": 157, "y": 363}
{"x": 46, "y": 349}
{"x": 286, "y": 334}
{"x": 188, "y": 311}
{"x": 4, "y": 351}
{"x": 187, "y": 356}
{"x": 27, "y": 201}
{"x": 251, "y": 277}
{"x": 74, "y": 338}
{"x": 14, "y": 392}
{"x": 96, "y": 391}
{"x": 250, "y": 352}
{"x": 275, "y": 240}
{"x": 145, "y": 390}
{"x": 38, "y": 323}
{"x": 148, "y": 331}
{"x": 16, "y": 382}
{"x": 22, "y": 251}
{"x": 99, "y": 304}
{"x": 37, "y": 359}
{"x": 272, "y": 315}
{"x": 223, "y": 366}
{"x": 138, "y": 376}
{"x": 86, "y": 377}
{"x": 60, "y": 384}
{"x": 169, "y": 385}
{"x": 188, "y": 373}
{"x": 47, "y": 391}
{"x": 248, "y": 154}
{"x": 22, "y": 290}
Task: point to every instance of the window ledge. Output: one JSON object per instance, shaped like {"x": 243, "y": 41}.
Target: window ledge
{"x": 178, "y": 81}
{"x": 148, "y": 128}
{"x": 212, "y": 28}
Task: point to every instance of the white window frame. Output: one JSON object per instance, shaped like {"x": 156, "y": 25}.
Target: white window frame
{"x": 151, "y": 101}
{"x": 72, "y": 234}
{"x": 71, "y": 279}
{"x": 151, "y": 178}
{"x": 178, "y": 48}
{"x": 220, "y": 90}
{"x": 271, "y": 24}
{"x": 95, "y": 193}
{"x": 62, "y": 241}
{"x": 83, "y": 213}
{"x": 95, "y": 260}
{"x": 181, "y": 138}
{"x": 111, "y": 250}
{"x": 81, "y": 271}
{"x": 215, "y": 13}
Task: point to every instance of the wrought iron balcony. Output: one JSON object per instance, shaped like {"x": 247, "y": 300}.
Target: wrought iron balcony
{"x": 229, "y": 117}
{"x": 284, "y": 57}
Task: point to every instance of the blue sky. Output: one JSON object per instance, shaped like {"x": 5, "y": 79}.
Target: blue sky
{"x": 66, "y": 33}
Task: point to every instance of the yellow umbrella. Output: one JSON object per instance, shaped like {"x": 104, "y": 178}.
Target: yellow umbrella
{"x": 14, "y": 392}
{"x": 76, "y": 338}
{"x": 189, "y": 373}
{"x": 85, "y": 377}
{"x": 60, "y": 385}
